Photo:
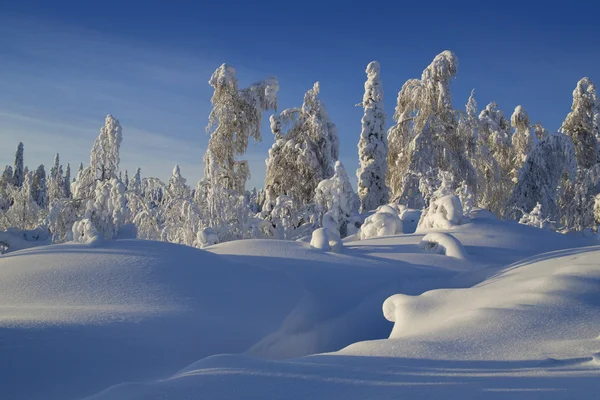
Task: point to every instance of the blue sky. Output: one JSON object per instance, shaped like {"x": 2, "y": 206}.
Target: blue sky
{"x": 65, "y": 65}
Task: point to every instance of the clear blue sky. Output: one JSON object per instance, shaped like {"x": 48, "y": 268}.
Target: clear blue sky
{"x": 65, "y": 65}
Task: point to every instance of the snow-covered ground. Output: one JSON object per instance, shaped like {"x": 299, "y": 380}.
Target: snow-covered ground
{"x": 517, "y": 317}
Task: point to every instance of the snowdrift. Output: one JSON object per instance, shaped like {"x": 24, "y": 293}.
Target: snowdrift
{"x": 126, "y": 310}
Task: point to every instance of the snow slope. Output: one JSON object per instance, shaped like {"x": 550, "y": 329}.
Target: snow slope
{"x": 530, "y": 332}
{"x": 76, "y": 319}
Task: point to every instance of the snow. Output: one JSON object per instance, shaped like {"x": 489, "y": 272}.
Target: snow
{"x": 125, "y": 319}
{"x": 443, "y": 243}
{"x": 326, "y": 240}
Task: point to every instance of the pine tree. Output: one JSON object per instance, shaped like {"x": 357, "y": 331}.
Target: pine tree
{"x": 39, "y": 188}
{"x": 540, "y": 177}
{"x": 372, "y": 146}
{"x": 56, "y": 185}
{"x": 67, "y": 182}
{"x": 19, "y": 172}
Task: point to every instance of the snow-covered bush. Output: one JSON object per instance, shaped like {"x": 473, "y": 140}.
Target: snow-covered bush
{"x": 535, "y": 218}
{"x": 324, "y": 239}
{"x": 207, "y": 237}
{"x": 84, "y": 231}
{"x": 384, "y": 222}
{"x": 443, "y": 243}
{"x": 336, "y": 198}
{"x": 443, "y": 213}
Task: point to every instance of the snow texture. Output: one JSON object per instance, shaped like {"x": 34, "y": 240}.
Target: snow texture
{"x": 443, "y": 213}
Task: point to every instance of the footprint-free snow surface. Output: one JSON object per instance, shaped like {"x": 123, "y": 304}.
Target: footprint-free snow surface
{"x": 517, "y": 318}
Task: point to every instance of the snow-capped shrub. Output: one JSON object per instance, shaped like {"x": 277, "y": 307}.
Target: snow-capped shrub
{"x": 335, "y": 198}
{"x": 443, "y": 213}
{"x": 535, "y": 218}
{"x": 443, "y": 243}
{"x": 207, "y": 237}
{"x": 383, "y": 223}
{"x": 324, "y": 239}
{"x": 84, "y": 231}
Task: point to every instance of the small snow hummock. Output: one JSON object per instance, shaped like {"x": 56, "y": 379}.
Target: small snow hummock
{"x": 443, "y": 243}
{"x": 324, "y": 239}
{"x": 384, "y": 222}
{"x": 207, "y": 237}
{"x": 443, "y": 213}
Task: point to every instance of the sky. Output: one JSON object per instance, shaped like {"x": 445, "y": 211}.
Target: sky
{"x": 65, "y": 65}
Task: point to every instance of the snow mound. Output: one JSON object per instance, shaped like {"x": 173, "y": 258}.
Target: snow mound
{"x": 324, "y": 239}
{"x": 14, "y": 239}
{"x": 384, "y": 222}
{"x": 126, "y": 310}
{"x": 443, "y": 243}
{"x": 545, "y": 307}
{"x": 443, "y": 213}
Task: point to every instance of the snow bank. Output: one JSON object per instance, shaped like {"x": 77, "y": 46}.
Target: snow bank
{"x": 81, "y": 318}
{"x": 324, "y": 239}
{"x": 443, "y": 243}
{"x": 443, "y": 213}
{"x": 14, "y": 239}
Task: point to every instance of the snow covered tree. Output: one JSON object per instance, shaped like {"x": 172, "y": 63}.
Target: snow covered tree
{"x": 535, "y": 218}
{"x": 104, "y": 159}
{"x": 23, "y": 213}
{"x": 107, "y": 210}
{"x": 540, "y": 131}
{"x": 372, "y": 146}
{"x": 67, "y": 182}
{"x": 284, "y": 217}
{"x": 177, "y": 186}
{"x": 136, "y": 182}
{"x": 495, "y": 135}
{"x": 539, "y": 178}
{"x": 6, "y": 188}
{"x": 523, "y": 139}
{"x": 304, "y": 154}
{"x": 335, "y": 196}
{"x": 126, "y": 179}
{"x": 39, "y": 188}
{"x": 56, "y": 185}
{"x": 18, "y": 171}
{"x": 235, "y": 118}
{"x": 581, "y": 124}
{"x": 425, "y": 137}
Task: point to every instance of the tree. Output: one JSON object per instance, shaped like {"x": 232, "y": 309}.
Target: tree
{"x": 19, "y": 172}
{"x": 107, "y": 210}
{"x": 535, "y": 218}
{"x": 523, "y": 139}
{"x": 540, "y": 176}
{"x": 335, "y": 196}
{"x": 67, "y": 182}
{"x": 23, "y": 213}
{"x": 581, "y": 124}
{"x": 104, "y": 159}
{"x": 235, "y": 118}
{"x": 495, "y": 135}
{"x": 39, "y": 189}
{"x": 372, "y": 146}
{"x": 425, "y": 137}
{"x": 56, "y": 186}
{"x": 304, "y": 154}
